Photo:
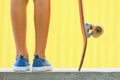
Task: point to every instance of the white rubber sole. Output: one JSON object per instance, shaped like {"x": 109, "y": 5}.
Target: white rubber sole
{"x": 21, "y": 69}
{"x": 48, "y": 68}
{"x": 39, "y": 69}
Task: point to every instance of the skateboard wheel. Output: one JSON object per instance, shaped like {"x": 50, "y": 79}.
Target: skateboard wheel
{"x": 97, "y": 31}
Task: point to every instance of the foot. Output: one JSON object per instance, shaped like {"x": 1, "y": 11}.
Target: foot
{"x": 40, "y": 64}
{"x": 21, "y": 64}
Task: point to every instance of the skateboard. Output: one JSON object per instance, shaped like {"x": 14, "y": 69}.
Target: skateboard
{"x": 96, "y": 31}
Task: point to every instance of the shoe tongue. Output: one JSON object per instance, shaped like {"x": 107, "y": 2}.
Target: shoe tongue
{"x": 21, "y": 56}
{"x": 36, "y": 56}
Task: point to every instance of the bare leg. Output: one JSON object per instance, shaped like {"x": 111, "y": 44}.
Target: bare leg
{"x": 42, "y": 16}
{"x": 18, "y": 16}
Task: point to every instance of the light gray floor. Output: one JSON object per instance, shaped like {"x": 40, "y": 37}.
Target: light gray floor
{"x": 61, "y": 74}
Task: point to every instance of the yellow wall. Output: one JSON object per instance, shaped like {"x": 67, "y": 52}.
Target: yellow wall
{"x": 65, "y": 39}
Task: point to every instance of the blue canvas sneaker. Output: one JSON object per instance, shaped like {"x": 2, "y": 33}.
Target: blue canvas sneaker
{"x": 21, "y": 64}
{"x": 40, "y": 64}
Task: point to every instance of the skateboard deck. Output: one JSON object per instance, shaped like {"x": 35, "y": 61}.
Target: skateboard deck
{"x": 83, "y": 33}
